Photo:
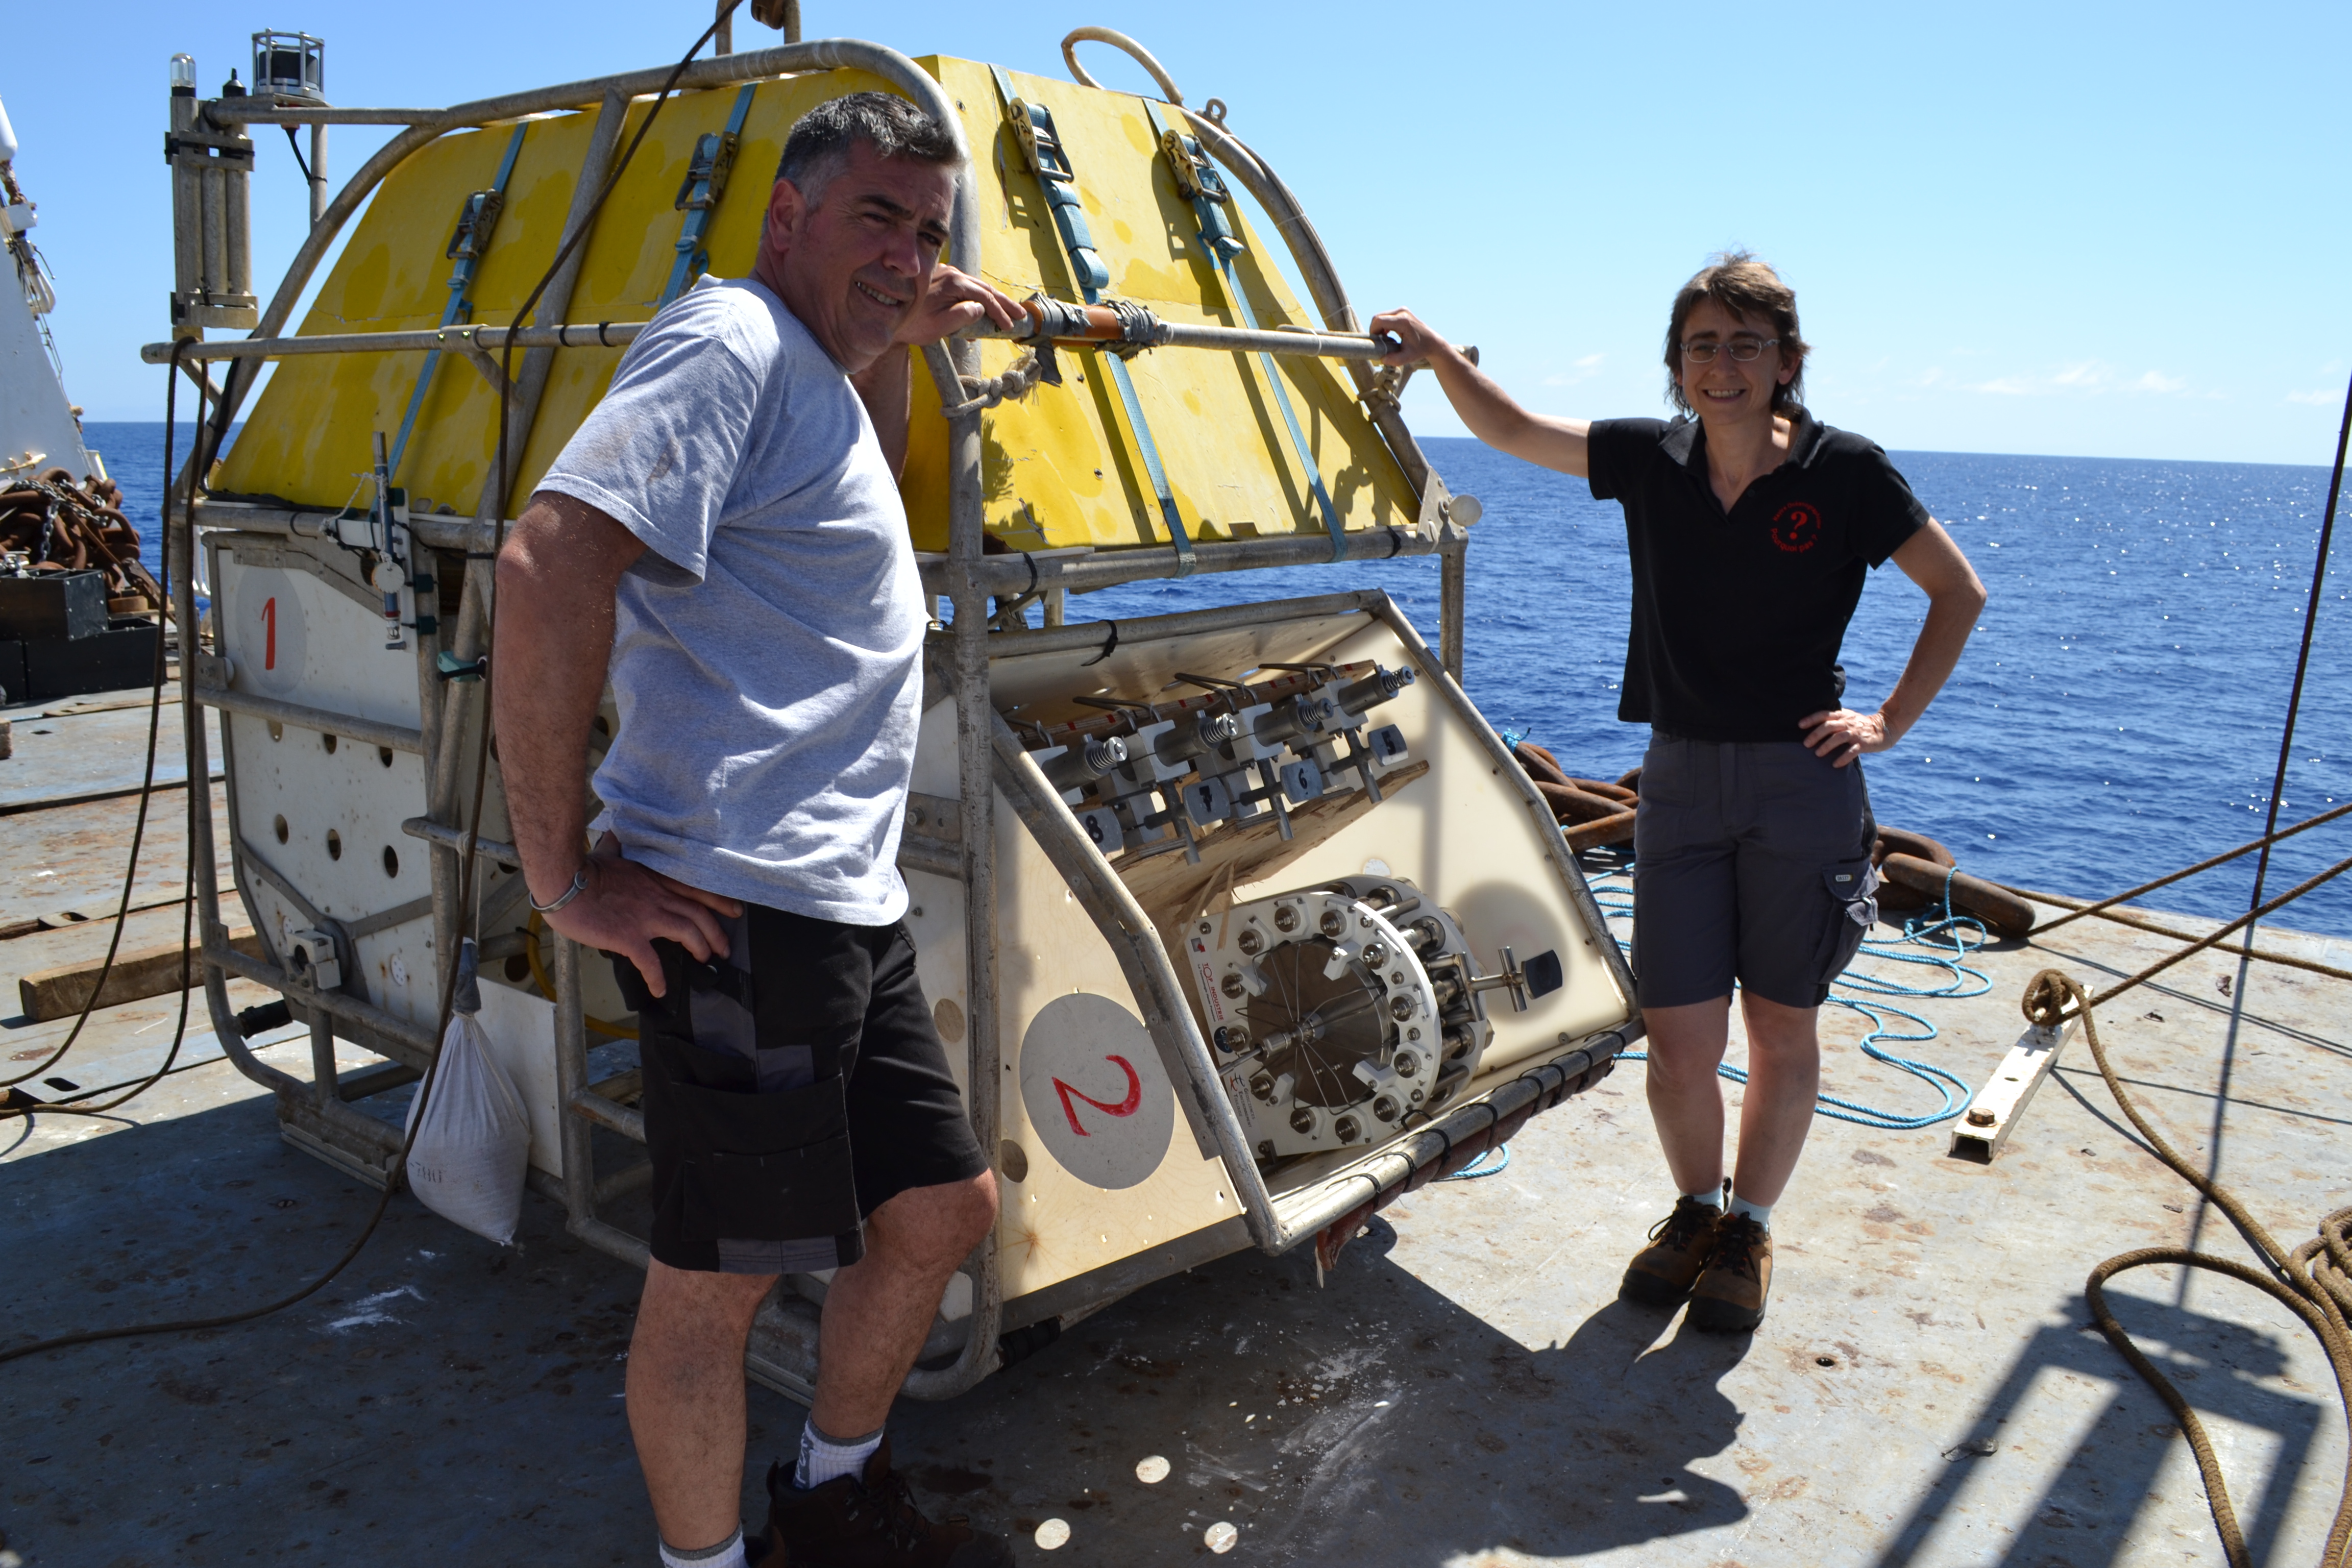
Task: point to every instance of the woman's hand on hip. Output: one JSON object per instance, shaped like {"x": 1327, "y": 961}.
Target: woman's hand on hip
{"x": 1842, "y": 735}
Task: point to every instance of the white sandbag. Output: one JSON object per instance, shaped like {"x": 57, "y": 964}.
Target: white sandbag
{"x": 468, "y": 1159}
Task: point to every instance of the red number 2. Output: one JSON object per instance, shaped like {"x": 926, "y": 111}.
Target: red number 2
{"x": 1126, "y": 1106}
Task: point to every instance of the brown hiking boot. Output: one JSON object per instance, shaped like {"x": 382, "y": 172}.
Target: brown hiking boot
{"x": 1729, "y": 1298}
{"x": 1661, "y": 1273}
{"x": 867, "y": 1521}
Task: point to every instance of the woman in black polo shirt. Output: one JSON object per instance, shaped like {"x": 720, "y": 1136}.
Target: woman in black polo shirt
{"x": 1751, "y": 527}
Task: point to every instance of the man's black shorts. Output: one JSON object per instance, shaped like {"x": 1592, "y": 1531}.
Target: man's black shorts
{"x": 791, "y": 1089}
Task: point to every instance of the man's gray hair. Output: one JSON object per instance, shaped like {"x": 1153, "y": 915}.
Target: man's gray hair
{"x": 819, "y": 146}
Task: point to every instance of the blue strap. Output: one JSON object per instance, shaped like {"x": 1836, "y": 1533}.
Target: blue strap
{"x": 467, "y": 246}
{"x": 1198, "y": 178}
{"x": 699, "y": 197}
{"x": 1033, "y": 125}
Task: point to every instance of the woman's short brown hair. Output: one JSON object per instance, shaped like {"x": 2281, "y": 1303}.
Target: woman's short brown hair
{"x": 1748, "y": 288}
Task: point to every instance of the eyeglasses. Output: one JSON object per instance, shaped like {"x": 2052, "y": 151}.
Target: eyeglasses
{"x": 1742, "y": 348}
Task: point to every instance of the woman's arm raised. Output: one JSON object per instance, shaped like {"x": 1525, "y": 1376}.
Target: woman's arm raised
{"x": 1484, "y": 406}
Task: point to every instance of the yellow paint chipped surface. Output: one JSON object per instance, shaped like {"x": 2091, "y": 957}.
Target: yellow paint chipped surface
{"x": 1059, "y": 469}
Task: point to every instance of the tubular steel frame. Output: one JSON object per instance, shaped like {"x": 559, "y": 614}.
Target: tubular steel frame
{"x": 782, "y": 1352}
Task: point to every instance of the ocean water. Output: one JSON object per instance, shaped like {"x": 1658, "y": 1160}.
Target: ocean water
{"x": 2116, "y": 714}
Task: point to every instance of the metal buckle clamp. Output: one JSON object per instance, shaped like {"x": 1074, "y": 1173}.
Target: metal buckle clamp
{"x": 699, "y": 194}
{"x": 475, "y": 219}
{"x": 1041, "y": 147}
{"x": 1199, "y": 183}
{"x": 478, "y": 220}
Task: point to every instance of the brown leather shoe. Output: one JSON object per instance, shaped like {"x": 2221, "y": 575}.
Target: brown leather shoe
{"x": 1729, "y": 1298}
{"x": 1661, "y": 1273}
{"x": 867, "y": 1521}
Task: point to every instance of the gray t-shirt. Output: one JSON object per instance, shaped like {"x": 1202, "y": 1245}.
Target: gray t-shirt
{"x": 767, "y": 656}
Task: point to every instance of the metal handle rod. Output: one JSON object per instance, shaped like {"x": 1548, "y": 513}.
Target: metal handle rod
{"x": 1102, "y": 329}
{"x": 351, "y": 726}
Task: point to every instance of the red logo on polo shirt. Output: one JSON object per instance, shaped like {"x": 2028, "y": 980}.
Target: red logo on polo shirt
{"x": 1797, "y": 527}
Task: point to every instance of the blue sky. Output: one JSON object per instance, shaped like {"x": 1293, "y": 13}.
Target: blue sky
{"x": 2095, "y": 230}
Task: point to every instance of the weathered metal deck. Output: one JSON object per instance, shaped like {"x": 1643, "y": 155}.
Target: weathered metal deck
{"x": 1464, "y": 1389}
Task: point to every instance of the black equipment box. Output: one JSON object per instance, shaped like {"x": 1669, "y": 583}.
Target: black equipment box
{"x": 59, "y": 605}
{"x": 113, "y": 659}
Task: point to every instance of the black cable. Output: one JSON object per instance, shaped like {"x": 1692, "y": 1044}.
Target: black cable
{"x": 295, "y": 147}
{"x": 466, "y": 863}
{"x": 2303, "y": 657}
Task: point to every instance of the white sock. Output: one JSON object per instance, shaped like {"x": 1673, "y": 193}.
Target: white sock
{"x": 728, "y": 1553}
{"x": 1760, "y": 1212}
{"x": 824, "y": 1458}
{"x": 1712, "y": 1197}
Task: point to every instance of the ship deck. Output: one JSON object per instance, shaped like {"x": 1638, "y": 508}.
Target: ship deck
{"x": 1464, "y": 1389}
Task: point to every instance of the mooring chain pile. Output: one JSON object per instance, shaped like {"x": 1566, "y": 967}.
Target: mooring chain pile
{"x": 76, "y": 527}
{"x": 2313, "y": 1280}
{"x": 1591, "y": 812}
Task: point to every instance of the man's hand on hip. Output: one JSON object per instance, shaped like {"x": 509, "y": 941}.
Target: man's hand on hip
{"x": 626, "y": 906}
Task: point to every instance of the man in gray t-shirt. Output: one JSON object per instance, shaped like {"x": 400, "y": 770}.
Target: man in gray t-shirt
{"x": 723, "y": 535}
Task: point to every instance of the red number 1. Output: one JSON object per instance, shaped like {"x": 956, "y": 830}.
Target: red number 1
{"x": 269, "y": 637}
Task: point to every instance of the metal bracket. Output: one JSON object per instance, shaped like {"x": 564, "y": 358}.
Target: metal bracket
{"x": 2000, "y": 1104}
{"x": 479, "y": 358}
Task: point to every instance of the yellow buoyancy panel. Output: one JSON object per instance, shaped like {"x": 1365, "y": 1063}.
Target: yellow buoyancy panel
{"x": 1060, "y": 467}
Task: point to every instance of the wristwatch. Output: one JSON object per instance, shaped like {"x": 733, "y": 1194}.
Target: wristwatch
{"x": 579, "y": 886}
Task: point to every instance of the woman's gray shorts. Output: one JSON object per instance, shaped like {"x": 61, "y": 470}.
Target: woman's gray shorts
{"x": 1751, "y": 860}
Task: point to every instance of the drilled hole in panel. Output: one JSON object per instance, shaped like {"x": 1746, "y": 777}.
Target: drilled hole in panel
{"x": 280, "y": 826}
{"x": 328, "y": 741}
{"x": 391, "y": 861}
{"x": 334, "y": 845}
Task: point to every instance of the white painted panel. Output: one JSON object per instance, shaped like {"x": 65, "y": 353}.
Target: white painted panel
{"x": 33, "y": 413}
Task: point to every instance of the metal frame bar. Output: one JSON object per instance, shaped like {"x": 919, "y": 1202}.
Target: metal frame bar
{"x": 1078, "y": 570}
{"x": 368, "y": 732}
{"x": 619, "y": 335}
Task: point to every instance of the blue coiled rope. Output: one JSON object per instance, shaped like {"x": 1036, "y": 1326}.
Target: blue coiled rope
{"x": 1500, "y": 1155}
{"x": 1930, "y": 932}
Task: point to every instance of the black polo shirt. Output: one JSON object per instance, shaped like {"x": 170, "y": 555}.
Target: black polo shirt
{"x": 1737, "y": 617}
